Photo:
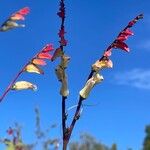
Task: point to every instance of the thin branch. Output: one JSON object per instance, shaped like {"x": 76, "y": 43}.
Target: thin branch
{"x": 64, "y": 117}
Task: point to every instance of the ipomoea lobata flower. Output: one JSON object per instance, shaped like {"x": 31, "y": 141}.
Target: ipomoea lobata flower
{"x": 32, "y": 68}
{"x": 24, "y": 85}
{"x": 11, "y": 23}
{"x": 100, "y": 64}
{"x": 97, "y": 78}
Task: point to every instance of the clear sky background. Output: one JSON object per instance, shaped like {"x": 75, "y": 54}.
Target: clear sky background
{"x": 121, "y": 102}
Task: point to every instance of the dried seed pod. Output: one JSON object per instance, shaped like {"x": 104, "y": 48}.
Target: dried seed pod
{"x": 58, "y": 52}
{"x": 97, "y": 78}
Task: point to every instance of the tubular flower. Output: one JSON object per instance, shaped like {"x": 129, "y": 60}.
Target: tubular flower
{"x": 100, "y": 64}
{"x": 32, "y": 68}
{"x": 37, "y": 61}
{"x": 97, "y": 78}
{"x": 24, "y": 85}
{"x": 121, "y": 45}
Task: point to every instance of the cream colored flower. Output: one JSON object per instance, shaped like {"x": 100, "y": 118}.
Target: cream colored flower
{"x": 98, "y": 65}
{"x": 97, "y": 78}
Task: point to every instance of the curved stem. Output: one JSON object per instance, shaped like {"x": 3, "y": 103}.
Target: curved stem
{"x": 11, "y": 84}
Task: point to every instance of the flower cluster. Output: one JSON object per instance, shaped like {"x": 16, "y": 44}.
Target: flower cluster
{"x": 11, "y": 23}
{"x": 104, "y": 61}
{"x": 119, "y": 42}
{"x": 33, "y": 67}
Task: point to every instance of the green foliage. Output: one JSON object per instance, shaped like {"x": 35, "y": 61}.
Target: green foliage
{"x": 114, "y": 147}
{"x": 146, "y": 144}
{"x": 87, "y": 142}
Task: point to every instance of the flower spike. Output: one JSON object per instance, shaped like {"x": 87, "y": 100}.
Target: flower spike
{"x": 32, "y": 66}
{"x": 11, "y": 23}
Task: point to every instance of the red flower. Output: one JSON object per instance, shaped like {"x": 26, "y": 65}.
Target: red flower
{"x": 48, "y": 48}
{"x": 121, "y": 45}
{"x": 122, "y": 37}
{"x": 45, "y": 56}
{"x": 19, "y": 15}
{"x": 37, "y": 61}
{"x": 127, "y": 32}
{"x": 24, "y": 11}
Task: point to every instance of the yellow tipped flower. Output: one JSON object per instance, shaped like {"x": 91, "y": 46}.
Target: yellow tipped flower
{"x": 24, "y": 85}
{"x": 105, "y": 63}
{"x": 97, "y": 78}
{"x": 32, "y": 68}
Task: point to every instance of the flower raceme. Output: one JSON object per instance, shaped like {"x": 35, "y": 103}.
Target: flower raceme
{"x": 104, "y": 61}
{"x": 119, "y": 42}
{"x": 32, "y": 66}
{"x": 11, "y": 23}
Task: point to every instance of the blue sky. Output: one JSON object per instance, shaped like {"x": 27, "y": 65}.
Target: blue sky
{"x": 122, "y": 100}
